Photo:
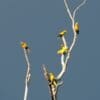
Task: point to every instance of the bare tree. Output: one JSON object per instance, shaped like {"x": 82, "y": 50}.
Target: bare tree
{"x": 65, "y": 52}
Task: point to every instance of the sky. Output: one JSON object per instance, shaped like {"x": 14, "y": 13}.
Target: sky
{"x": 38, "y": 22}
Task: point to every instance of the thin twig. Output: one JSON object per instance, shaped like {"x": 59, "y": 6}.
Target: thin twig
{"x": 78, "y": 7}
{"x": 63, "y": 68}
{"x": 68, "y": 10}
{"x": 64, "y": 41}
{"x": 28, "y": 74}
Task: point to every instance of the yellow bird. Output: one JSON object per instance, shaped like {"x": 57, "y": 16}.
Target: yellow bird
{"x": 24, "y": 45}
{"x": 52, "y": 79}
{"x": 76, "y": 27}
{"x": 63, "y": 50}
{"x": 62, "y": 33}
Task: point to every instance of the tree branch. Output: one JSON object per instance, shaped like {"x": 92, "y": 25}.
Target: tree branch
{"x": 78, "y": 7}
{"x": 28, "y": 75}
{"x": 65, "y": 55}
{"x": 65, "y": 59}
{"x": 68, "y": 10}
{"x": 52, "y": 88}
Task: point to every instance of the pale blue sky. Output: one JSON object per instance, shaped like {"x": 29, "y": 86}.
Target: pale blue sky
{"x": 38, "y": 22}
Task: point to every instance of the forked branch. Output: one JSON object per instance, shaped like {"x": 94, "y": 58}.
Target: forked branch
{"x": 64, "y": 62}
{"x": 64, "y": 51}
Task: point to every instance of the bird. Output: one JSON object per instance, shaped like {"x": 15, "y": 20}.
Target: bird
{"x": 76, "y": 27}
{"x": 61, "y": 34}
{"x": 63, "y": 50}
{"x": 24, "y": 45}
{"x": 52, "y": 79}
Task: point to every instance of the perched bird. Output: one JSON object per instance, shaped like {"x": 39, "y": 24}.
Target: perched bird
{"x": 76, "y": 27}
{"x": 24, "y": 45}
{"x": 52, "y": 79}
{"x": 63, "y": 50}
{"x": 62, "y": 33}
